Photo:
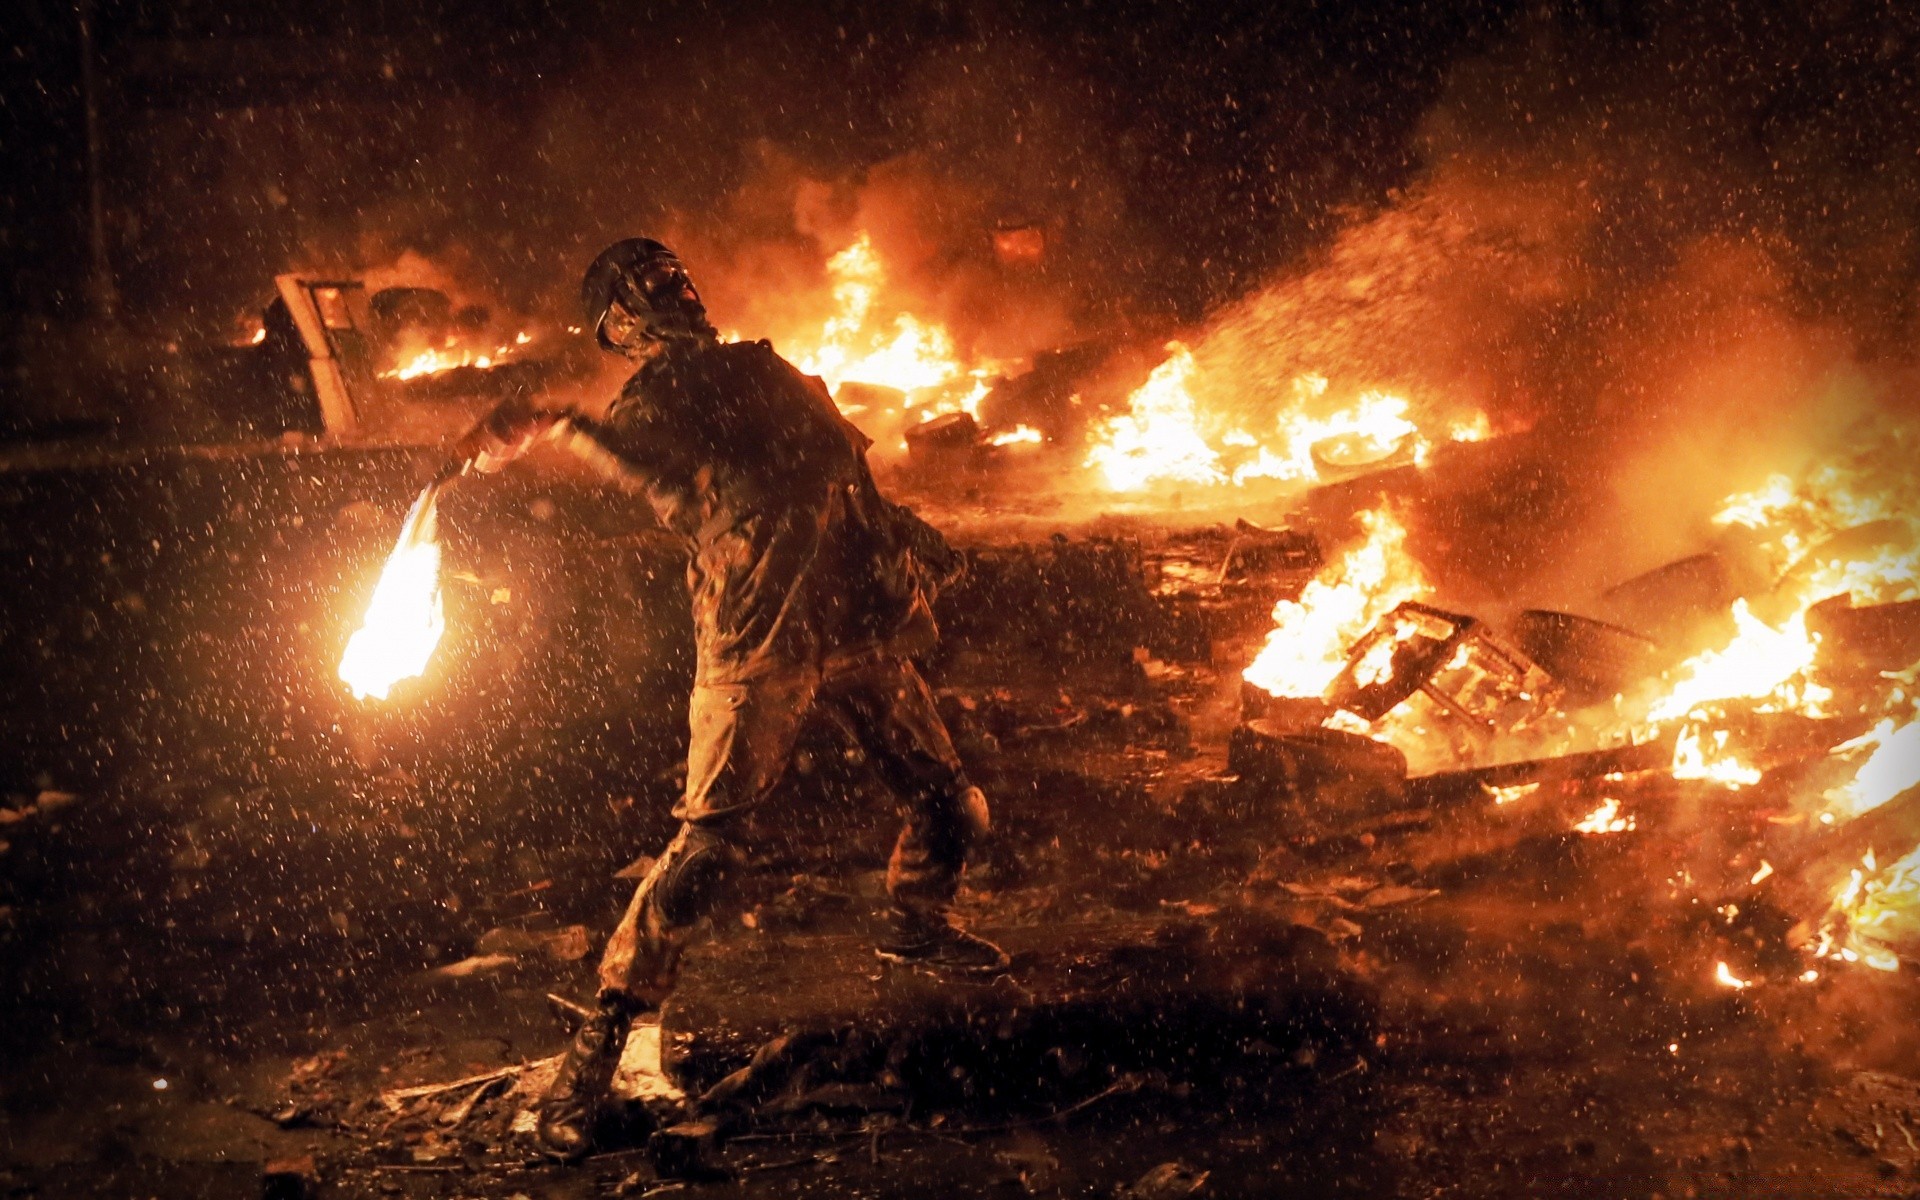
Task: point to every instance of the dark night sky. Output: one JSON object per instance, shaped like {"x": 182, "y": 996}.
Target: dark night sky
{"x": 1185, "y": 150}
{"x": 1228, "y": 130}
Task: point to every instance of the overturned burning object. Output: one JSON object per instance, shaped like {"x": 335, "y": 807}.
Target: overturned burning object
{"x": 1456, "y": 661}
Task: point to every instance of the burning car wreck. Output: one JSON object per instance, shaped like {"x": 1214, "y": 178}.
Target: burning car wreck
{"x": 1439, "y": 642}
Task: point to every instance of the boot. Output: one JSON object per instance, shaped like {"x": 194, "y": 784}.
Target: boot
{"x": 576, "y": 1101}
{"x": 935, "y": 941}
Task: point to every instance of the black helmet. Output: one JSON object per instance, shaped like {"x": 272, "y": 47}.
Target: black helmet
{"x": 650, "y": 282}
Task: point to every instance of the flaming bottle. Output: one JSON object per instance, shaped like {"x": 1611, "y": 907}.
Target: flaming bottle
{"x": 405, "y": 618}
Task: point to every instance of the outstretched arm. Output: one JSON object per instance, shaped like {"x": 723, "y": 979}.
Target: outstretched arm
{"x": 515, "y": 426}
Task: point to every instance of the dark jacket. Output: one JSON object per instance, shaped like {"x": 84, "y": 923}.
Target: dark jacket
{"x": 796, "y": 557}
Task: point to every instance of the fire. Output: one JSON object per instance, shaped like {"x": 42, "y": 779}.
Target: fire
{"x": 1510, "y": 794}
{"x": 1891, "y": 768}
{"x": 1019, "y": 435}
{"x": 1168, "y": 436}
{"x": 1308, "y": 646}
{"x": 1724, "y": 976}
{"x": 1701, "y": 755}
{"x": 1849, "y": 528}
{"x": 1374, "y": 429}
{"x": 865, "y": 341}
{"x": 1605, "y": 819}
{"x": 1875, "y": 911}
{"x": 1158, "y": 440}
{"x": 1764, "y": 664}
{"x": 405, "y": 617}
{"x": 451, "y": 355}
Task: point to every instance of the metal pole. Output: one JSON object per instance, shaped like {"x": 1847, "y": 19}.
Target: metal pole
{"x": 101, "y": 292}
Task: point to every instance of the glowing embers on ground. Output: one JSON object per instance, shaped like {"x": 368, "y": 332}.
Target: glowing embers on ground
{"x": 405, "y": 617}
{"x": 1312, "y": 636}
{"x": 451, "y": 355}
{"x": 1724, "y": 976}
{"x": 1607, "y": 818}
{"x": 868, "y": 341}
{"x": 1168, "y": 436}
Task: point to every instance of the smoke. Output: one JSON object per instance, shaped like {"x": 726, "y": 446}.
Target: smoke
{"x": 734, "y": 151}
{"x": 1682, "y": 256}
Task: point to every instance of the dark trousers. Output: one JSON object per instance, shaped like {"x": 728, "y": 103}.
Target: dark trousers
{"x": 743, "y": 738}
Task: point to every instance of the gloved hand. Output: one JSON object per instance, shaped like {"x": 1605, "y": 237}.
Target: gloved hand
{"x": 504, "y": 434}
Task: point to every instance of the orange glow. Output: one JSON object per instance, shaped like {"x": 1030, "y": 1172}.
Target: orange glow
{"x": 1724, "y": 976}
{"x": 1763, "y": 664}
{"x": 870, "y": 339}
{"x": 1605, "y": 819}
{"x": 1698, "y": 754}
{"x": 405, "y": 617}
{"x": 432, "y": 360}
{"x": 1019, "y": 435}
{"x": 1168, "y": 436}
{"x": 1892, "y": 767}
{"x": 1311, "y": 637}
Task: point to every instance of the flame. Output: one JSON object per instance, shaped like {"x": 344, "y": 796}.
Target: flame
{"x": 865, "y": 341}
{"x": 1476, "y": 428}
{"x": 449, "y": 356}
{"x": 1871, "y": 496}
{"x": 1605, "y": 819}
{"x": 1157, "y": 440}
{"x": 405, "y": 617}
{"x": 1168, "y": 436}
{"x": 1700, "y": 755}
{"x": 1019, "y": 435}
{"x": 1768, "y": 665}
{"x": 1891, "y": 768}
{"x": 1309, "y": 643}
{"x": 1724, "y": 976}
{"x": 1509, "y": 794}
{"x": 1874, "y": 912}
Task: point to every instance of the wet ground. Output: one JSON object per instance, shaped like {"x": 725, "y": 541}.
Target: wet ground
{"x": 217, "y": 978}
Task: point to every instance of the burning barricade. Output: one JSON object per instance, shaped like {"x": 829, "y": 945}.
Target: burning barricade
{"x": 1772, "y": 704}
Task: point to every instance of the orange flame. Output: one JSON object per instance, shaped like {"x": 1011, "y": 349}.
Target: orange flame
{"x": 1308, "y": 646}
{"x": 1605, "y": 819}
{"x": 1764, "y": 664}
{"x": 866, "y": 341}
{"x": 449, "y": 356}
{"x": 1874, "y": 912}
{"x": 1167, "y": 436}
{"x": 1698, "y": 754}
{"x": 1892, "y": 767}
{"x": 405, "y": 617}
